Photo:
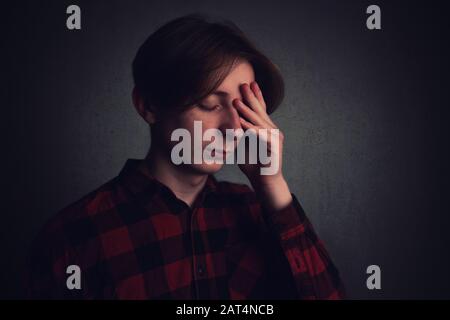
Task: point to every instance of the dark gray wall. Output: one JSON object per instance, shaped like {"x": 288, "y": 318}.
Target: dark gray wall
{"x": 364, "y": 117}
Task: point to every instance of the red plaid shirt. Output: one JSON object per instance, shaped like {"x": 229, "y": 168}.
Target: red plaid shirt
{"x": 134, "y": 239}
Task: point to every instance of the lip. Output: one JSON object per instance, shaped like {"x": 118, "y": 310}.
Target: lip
{"x": 222, "y": 151}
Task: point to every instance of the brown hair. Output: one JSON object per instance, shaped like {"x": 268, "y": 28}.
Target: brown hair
{"x": 187, "y": 59}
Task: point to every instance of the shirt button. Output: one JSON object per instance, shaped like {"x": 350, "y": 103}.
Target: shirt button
{"x": 200, "y": 270}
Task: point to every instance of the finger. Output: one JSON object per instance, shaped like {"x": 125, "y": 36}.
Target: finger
{"x": 247, "y": 125}
{"x": 259, "y": 96}
{"x": 249, "y": 114}
{"x": 258, "y": 93}
{"x": 251, "y": 100}
{"x": 261, "y": 133}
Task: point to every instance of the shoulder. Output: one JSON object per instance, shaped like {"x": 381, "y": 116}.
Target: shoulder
{"x": 76, "y": 223}
{"x": 71, "y": 237}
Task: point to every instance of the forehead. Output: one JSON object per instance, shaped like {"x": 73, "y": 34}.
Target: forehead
{"x": 241, "y": 73}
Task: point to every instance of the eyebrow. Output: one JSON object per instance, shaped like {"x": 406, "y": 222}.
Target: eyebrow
{"x": 220, "y": 93}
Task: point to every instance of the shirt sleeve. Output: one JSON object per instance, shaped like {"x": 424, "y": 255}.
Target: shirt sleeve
{"x": 314, "y": 274}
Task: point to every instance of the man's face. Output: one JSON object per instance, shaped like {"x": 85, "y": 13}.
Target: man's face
{"x": 216, "y": 111}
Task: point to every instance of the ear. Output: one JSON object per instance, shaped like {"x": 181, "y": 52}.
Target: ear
{"x": 145, "y": 113}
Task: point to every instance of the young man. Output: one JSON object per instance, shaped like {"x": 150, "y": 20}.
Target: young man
{"x": 168, "y": 230}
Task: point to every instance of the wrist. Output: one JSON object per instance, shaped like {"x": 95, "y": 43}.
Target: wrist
{"x": 267, "y": 181}
{"x": 274, "y": 192}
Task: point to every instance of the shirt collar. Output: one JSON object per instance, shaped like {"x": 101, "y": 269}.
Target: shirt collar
{"x": 139, "y": 183}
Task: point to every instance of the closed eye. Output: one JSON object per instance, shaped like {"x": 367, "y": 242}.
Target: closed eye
{"x": 209, "y": 108}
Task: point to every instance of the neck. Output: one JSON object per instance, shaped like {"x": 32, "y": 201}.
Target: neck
{"x": 185, "y": 184}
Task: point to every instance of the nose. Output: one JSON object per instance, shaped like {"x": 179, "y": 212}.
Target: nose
{"x": 230, "y": 119}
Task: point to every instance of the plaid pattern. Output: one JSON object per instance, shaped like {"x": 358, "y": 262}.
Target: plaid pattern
{"x": 133, "y": 239}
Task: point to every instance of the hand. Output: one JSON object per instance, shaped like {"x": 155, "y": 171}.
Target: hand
{"x": 253, "y": 115}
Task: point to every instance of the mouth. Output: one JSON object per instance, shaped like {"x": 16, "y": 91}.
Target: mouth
{"x": 220, "y": 151}
{"x": 225, "y": 149}
{"x": 224, "y": 152}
